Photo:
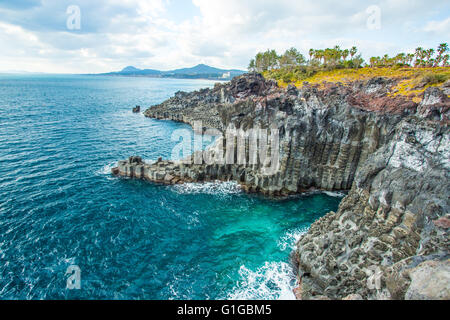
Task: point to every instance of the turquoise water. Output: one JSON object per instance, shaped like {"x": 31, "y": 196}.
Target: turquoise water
{"x": 59, "y": 205}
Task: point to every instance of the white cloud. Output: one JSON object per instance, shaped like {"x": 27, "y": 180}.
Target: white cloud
{"x": 442, "y": 27}
{"x": 116, "y": 33}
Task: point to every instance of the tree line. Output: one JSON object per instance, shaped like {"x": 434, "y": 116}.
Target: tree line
{"x": 337, "y": 58}
{"x": 420, "y": 58}
{"x": 292, "y": 58}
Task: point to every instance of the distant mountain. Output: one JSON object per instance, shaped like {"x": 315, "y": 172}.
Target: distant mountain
{"x": 200, "y": 71}
{"x": 130, "y": 69}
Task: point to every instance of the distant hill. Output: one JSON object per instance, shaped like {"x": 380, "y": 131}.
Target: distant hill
{"x": 200, "y": 71}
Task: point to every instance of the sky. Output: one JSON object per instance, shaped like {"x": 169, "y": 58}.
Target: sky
{"x": 87, "y": 36}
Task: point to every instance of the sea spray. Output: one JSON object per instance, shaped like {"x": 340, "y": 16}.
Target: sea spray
{"x": 211, "y": 188}
{"x": 290, "y": 238}
{"x": 273, "y": 280}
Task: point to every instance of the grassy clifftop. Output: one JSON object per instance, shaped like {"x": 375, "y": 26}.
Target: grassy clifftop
{"x": 411, "y": 82}
{"x": 413, "y": 72}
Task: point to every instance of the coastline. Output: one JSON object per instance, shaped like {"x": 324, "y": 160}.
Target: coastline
{"x": 391, "y": 154}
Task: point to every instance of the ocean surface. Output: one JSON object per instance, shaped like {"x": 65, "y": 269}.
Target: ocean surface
{"x": 59, "y": 205}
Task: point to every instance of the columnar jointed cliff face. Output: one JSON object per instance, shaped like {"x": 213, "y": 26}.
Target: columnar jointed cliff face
{"x": 323, "y": 138}
{"x": 387, "y": 223}
{"x": 392, "y": 154}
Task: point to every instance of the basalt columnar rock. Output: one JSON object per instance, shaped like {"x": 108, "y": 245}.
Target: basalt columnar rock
{"x": 391, "y": 232}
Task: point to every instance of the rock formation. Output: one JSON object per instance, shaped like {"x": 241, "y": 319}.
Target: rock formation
{"x": 389, "y": 237}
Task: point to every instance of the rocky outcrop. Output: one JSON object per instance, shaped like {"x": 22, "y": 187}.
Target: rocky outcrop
{"x": 323, "y": 137}
{"x": 211, "y": 105}
{"x": 389, "y": 152}
{"x": 386, "y": 221}
{"x": 171, "y": 172}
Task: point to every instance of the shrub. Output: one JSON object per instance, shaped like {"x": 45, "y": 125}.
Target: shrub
{"x": 433, "y": 78}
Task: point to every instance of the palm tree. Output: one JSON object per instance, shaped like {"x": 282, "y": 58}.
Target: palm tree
{"x": 410, "y": 58}
{"x": 443, "y": 47}
{"x": 311, "y": 53}
{"x": 429, "y": 54}
{"x": 319, "y": 55}
{"x": 327, "y": 56}
{"x": 401, "y": 58}
{"x": 353, "y": 51}
{"x": 336, "y": 53}
{"x": 345, "y": 54}
{"x": 445, "y": 60}
{"x": 419, "y": 54}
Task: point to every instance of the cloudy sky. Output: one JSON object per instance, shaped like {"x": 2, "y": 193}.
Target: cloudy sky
{"x": 167, "y": 34}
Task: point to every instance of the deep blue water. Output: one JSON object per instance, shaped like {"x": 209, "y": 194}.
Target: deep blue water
{"x": 59, "y": 205}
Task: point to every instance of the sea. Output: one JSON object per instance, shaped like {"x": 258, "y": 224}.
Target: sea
{"x": 70, "y": 230}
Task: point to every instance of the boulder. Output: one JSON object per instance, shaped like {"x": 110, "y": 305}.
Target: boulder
{"x": 430, "y": 280}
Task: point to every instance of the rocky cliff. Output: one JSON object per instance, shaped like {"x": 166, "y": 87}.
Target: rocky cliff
{"x": 389, "y": 238}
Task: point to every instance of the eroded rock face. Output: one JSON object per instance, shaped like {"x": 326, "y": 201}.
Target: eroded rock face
{"x": 323, "y": 137}
{"x": 435, "y": 105}
{"x": 391, "y": 153}
{"x": 386, "y": 218}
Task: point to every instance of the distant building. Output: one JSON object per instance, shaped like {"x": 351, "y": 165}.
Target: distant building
{"x": 226, "y": 75}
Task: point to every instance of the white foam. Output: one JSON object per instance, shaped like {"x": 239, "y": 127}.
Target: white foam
{"x": 213, "y": 188}
{"x": 290, "y": 239}
{"x": 334, "y": 194}
{"x": 149, "y": 161}
{"x": 272, "y": 281}
{"x": 106, "y": 169}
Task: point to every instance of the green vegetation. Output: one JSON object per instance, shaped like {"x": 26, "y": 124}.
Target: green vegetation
{"x": 293, "y": 67}
{"x": 412, "y": 82}
{"x": 421, "y": 58}
{"x": 431, "y": 78}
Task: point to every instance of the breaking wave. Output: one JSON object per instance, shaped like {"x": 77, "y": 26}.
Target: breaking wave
{"x": 335, "y": 194}
{"x": 290, "y": 239}
{"x": 272, "y": 281}
{"x": 106, "y": 169}
{"x": 213, "y": 188}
